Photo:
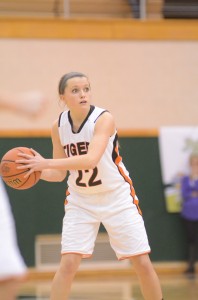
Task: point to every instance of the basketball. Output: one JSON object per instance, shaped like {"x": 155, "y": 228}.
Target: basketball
{"x": 14, "y": 177}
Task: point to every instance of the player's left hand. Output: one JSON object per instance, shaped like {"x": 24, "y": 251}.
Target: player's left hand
{"x": 34, "y": 162}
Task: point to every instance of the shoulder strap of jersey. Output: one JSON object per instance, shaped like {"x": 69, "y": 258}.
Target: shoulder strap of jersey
{"x": 62, "y": 117}
{"x": 97, "y": 112}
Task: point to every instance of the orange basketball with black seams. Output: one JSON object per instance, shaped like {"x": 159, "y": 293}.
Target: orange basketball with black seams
{"x": 14, "y": 177}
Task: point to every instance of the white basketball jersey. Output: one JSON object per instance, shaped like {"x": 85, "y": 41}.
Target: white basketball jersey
{"x": 109, "y": 174}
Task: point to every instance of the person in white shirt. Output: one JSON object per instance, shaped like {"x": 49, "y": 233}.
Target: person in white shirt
{"x": 12, "y": 267}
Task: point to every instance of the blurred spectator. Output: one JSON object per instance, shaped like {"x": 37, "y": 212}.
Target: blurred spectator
{"x": 189, "y": 213}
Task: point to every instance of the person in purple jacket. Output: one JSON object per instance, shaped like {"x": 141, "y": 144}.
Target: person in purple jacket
{"x": 189, "y": 191}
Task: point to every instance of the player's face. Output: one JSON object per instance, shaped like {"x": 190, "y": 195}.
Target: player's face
{"x": 77, "y": 93}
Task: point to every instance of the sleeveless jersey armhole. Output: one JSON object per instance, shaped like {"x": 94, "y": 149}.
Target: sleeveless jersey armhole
{"x": 59, "y": 119}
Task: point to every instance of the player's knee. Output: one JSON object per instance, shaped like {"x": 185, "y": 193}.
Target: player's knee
{"x": 142, "y": 263}
{"x": 69, "y": 264}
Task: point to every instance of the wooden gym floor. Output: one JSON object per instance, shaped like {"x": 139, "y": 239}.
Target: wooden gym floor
{"x": 176, "y": 286}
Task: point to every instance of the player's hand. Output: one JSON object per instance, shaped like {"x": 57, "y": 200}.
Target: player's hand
{"x": 34, "y": 162}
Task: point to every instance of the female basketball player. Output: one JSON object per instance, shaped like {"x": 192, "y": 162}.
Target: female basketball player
{"x": 99, "y": 189}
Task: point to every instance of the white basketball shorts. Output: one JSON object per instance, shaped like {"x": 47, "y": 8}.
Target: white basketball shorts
{"x": 116, "y": 211}
{"x": 11, "y": 262}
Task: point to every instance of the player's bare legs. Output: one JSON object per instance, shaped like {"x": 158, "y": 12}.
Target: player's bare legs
{"x": 64, "y": 276}
{"x": 147, "y": 276}
{"x": 9, "y": 289}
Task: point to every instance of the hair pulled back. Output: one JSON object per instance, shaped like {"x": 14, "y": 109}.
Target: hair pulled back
{"x": 63, "y": 81}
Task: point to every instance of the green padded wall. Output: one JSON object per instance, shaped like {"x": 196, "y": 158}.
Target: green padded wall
{"x": 40, "y": 209}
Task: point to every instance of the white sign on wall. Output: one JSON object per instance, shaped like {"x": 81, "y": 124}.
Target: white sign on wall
{"x": 175, "y": 144}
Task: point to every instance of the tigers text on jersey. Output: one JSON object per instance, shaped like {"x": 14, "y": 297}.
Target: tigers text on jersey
{"x": 109, "y": 174}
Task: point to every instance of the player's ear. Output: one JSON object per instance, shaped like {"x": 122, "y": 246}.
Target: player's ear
{"x": 62, "y": 100}
{"x": 62, "y": 97}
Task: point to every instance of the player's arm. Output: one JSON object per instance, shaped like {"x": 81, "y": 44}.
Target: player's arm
{"x": 58, "y": 152}
{"x": 30, "y": 103}
{"x": 104, "y": 128}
